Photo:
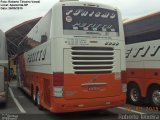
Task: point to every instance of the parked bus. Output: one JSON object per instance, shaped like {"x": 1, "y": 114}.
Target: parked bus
{"x": 143, "y": 59}
{"x": 3, "y": 69}
{"x": 73, "y": 57}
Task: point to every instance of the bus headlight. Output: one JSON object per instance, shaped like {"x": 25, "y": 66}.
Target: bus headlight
{"x": 117, "y": 75}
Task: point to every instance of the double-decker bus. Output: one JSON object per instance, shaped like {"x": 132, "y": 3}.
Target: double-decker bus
{"x": 73, "y": 57}
{"x": 3, "y": 68}
{"x": 143, "y": 59}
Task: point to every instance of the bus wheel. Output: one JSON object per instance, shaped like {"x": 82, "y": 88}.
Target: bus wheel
{"x": 154, "y": 96}
{"x": 32, "y": 93}
{"x": 133, "y": 94}
{"x": 38, "y": 100}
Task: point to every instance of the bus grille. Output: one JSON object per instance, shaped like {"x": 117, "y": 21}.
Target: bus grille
{"x": 92, "y": 60}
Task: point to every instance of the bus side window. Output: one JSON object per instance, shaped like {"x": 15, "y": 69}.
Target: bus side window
{"x": 43, "y": 38}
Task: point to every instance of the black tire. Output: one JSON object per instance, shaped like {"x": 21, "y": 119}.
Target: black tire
{"x": 32, "y": 93}
{"x": 32, "y": 96}
{"x": 133, "y": 94}
{"x": 37, "y": 100}
{"x": 3, "y": 104}
{"x": 154, "y": 96}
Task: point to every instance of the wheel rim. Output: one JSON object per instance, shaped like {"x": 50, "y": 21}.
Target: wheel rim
{"x": 134, "y": 95}
{"x": 38, "y": 98}
{"x": 34, "y": 97}
{"x": 156, "y": 97}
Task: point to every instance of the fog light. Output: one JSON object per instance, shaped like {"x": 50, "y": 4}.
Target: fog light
{"x": 108, "y": 103}
{"x": 117, "y": 75}
{"x": 124, "y": 88}
{"x": 81, "y": 105}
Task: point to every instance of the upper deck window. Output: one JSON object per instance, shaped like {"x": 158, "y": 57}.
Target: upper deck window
{"x": 82, "y": 20}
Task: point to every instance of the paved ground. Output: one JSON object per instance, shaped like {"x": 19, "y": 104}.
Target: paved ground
{"x": 20, "y": 105}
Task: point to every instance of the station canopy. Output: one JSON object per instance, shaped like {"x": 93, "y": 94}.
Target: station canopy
{"x": 16, "y": 34}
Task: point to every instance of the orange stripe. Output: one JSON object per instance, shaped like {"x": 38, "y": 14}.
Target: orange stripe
{"x": 113, "y": 93}
{"x": 142, "y": 77}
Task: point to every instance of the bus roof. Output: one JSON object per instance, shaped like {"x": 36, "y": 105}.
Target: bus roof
{"x": 129, "y": 21}
{"x": 142, "y": 25}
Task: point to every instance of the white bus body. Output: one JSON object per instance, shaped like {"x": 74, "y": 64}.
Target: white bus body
{"x": 85, "y": 42}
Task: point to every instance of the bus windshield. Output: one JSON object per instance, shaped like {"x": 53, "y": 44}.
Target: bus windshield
{"x": 82, "y": 20}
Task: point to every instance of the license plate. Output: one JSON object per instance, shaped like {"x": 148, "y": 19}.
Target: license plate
{"x": 93, "y": 88}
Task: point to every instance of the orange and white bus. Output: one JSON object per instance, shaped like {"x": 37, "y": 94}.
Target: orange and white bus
{"x": 143, "y": 59}
{"x": 73, "y": 57}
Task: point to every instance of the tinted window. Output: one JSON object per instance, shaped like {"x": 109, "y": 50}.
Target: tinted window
{"x": 143, "y": 30}
{"x": 154, "y": 35}
{"x": 85, "y": 19}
